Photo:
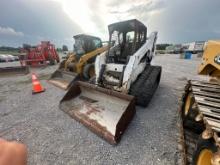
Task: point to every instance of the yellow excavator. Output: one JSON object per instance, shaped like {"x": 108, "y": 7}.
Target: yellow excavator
{"x": 200, "y": 110}
{"x": 79, "y": 65}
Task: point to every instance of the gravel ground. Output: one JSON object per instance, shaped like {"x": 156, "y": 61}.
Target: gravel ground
{"x": 52, "y": 137}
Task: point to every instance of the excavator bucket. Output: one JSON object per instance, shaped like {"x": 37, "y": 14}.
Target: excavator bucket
{"x": 105, "y": 112}
{"x": 16, "y": 70}
{"x": 63, "y": 79}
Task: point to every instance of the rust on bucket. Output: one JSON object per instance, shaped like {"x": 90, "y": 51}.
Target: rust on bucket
{"x": 105, "y": 112}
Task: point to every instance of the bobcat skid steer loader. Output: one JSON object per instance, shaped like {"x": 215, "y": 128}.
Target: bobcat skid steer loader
{"x": 123, "y": 75}
{"x": 80, "y": 64}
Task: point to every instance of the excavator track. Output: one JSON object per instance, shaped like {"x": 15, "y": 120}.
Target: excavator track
{"x": 205, "y": 101}
{"x": 190, "y": 144}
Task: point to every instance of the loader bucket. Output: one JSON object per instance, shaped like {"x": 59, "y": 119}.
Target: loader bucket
{"x": 63, "y": 79}
{"x": 105, "y": 112}
{"x": 16, "y": 70}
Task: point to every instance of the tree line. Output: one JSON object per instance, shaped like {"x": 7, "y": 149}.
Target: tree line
{"x": 16, "y": 49}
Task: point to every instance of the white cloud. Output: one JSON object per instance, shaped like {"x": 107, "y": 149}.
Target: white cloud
{"x": 175, "y": 20}
{"x": 93, "y": 16}
{"x": 8, "y": 31}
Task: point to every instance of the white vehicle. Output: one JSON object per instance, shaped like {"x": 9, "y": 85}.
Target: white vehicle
{"x": 130, "y": 57}
{"x": 16, "y": 58}
{"x": 11, "y": 58}
{"x": 196, "y": 47}
{"x": 123, "y": 76}
{"x": 199, "y": 46}
{"x": 4, "y": 58}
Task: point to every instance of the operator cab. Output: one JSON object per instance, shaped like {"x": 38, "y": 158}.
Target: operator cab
{"x": 128, "y": 37}
{"x": 85, "y": 44}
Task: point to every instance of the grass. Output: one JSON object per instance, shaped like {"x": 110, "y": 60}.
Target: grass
{"x": 9, "y": 52}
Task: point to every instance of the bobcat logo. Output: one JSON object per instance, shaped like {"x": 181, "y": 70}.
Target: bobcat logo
{"x": 217, "y": 59}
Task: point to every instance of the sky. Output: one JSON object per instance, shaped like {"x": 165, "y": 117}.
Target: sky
{"x": 177, "y": 21}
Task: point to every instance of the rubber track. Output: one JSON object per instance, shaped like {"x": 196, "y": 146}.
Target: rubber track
{"x": 145, "y": 85}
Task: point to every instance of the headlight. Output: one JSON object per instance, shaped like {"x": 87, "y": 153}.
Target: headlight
{"x": 217, "y": 59}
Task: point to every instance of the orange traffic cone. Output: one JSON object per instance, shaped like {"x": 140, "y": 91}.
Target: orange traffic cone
{"x": 36, "y": 86}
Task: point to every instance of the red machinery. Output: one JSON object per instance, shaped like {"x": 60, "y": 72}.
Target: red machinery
{"x": 41, "y": 54}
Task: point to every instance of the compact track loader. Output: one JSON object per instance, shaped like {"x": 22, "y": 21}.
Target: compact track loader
{"x": 80, "y": 64}
{"x": 123, "y": 76}
{"x": 200, "y": 111}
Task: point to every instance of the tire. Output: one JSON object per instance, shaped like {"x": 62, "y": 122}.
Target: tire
{"x": 88, "y": 68}
{"x": 58, "y": 59}
{"x": 92, "y": 80}
{"x": 201, "y": 146}
{"x": 62, "y": 64}
{"x": 146, "y": 84}
{"x": 52, "y": 61}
